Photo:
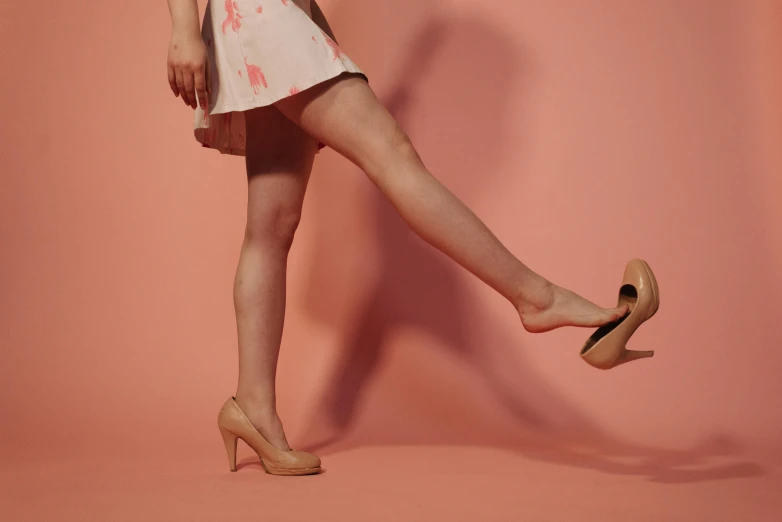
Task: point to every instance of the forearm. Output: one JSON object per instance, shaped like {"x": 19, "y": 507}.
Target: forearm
{"x": 184, "y": 16}
{"x": 319, "y": 18}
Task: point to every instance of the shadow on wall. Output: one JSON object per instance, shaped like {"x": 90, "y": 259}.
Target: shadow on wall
{"x": 419, "y": 287}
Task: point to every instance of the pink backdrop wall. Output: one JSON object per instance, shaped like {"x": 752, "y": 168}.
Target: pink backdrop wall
{"x": 584, "y": 134}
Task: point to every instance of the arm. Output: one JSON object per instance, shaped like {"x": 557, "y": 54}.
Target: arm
{"x": 184, "y": 16}
{"x": 319, "y": 18}
{"x": 187, "y": 58}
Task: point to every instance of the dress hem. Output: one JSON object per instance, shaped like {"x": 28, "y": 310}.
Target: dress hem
{"x": 254, "y": 105}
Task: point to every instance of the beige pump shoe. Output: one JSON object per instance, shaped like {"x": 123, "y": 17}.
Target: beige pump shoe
{"x": 234, "y": 424}
{"x": 605, "y": 349}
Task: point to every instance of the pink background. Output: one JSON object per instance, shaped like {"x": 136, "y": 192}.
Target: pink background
{"x": 583, "y": 134}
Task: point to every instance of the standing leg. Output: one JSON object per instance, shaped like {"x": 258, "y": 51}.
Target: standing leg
{"x": 345, "y": 114}
{"x": 279, "y": 161}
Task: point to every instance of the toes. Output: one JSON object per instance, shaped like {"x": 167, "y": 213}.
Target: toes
{"x": 613, "y": 314}
{"x": 620, "y": 311}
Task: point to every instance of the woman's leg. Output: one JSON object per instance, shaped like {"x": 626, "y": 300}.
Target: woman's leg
{"x": 279, "y": 161}
{"x": 346, "y": 115}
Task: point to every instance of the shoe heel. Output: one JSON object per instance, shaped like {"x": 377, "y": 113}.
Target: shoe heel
{"x": 634, "y": 355}
{"x": 230, "y": 447}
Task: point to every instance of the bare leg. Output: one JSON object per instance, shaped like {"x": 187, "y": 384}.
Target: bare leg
{"x": 279, "y": 161}
{"x": 345, "y": 114}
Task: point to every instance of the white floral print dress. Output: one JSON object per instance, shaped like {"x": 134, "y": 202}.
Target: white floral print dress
{"x": 259, "y": 52}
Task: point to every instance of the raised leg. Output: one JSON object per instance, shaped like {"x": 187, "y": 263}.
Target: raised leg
{"x": 345, "y": 114}
{"x": 279, "y": 161}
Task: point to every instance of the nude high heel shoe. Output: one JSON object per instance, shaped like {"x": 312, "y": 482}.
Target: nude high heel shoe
{"x": 605, "y": 349}
{"x": 234, "y": 424}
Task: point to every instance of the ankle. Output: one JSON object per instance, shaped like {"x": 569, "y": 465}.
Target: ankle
{"x": 535, "y": 297}
{"x": 256, "y": 401}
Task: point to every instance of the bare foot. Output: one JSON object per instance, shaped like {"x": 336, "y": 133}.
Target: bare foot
{"x": 555, "y": 307}
{"x": 265, "y": 420}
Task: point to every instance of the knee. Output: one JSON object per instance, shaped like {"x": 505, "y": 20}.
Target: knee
{"x": 388, "y": 156}
{"x": 275, "y": 228}
{"x": 400, "y": 144}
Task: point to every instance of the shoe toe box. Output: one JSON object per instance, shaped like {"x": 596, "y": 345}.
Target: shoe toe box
{"x": 306, "y": 460}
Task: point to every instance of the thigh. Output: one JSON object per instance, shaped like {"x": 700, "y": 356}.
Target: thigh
{"x": 279, "y": 160}
{"x": 345, "y": 114}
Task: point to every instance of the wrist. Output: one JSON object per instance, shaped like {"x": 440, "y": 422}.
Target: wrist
{"x": 186, "y": 30}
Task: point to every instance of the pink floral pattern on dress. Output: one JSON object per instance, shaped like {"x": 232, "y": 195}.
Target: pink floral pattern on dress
{"x": 225, "y": 131}
{"x": 255, "y": 76}
{"x": 334, "y": 47}
{"x": 233, "y": 17}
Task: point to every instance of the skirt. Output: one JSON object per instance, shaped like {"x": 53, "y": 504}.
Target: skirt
{"x": 260, "y": 51}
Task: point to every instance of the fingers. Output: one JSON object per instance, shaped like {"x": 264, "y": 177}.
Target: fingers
{"x": 199, "y": 79}
{"x": 190, "y": 88}
{"x": 191, "y": 84}
{"x": 180, "y": 83}
{"x": 188, "y": 73}
{"x": 172, "y": 80}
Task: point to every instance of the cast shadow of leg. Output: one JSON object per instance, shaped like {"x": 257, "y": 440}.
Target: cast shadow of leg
{"x": 419, "y": 287}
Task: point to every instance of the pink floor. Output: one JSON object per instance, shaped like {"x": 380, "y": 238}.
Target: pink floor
{"x": 395, "y": 483}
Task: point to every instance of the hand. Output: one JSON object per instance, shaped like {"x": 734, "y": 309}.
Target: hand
{"x": 188, "y": 68}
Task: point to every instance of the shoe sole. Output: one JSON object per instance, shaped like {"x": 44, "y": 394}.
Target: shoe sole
{"x": 281, "y": 471}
